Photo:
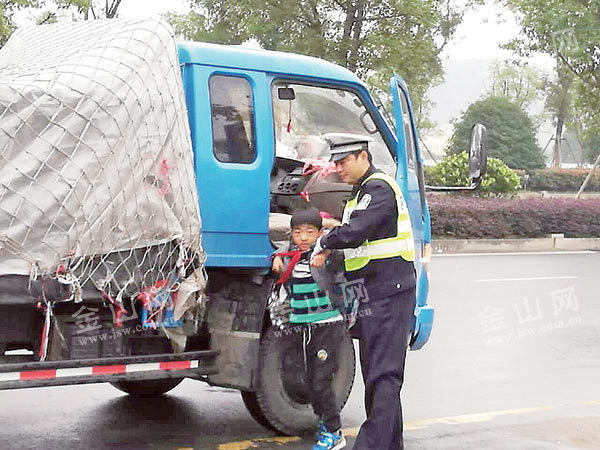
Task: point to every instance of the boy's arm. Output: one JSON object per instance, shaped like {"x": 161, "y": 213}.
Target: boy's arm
{"x": 278, "y": 264}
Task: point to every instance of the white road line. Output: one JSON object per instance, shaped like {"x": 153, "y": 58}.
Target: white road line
{"x": 485, "y": 280}
{"x": 582, "y": 252}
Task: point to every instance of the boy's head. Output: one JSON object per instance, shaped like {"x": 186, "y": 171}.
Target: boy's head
{"x": 306, "y": 226}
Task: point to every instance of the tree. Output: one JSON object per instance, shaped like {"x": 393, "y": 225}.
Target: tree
{"x": 87, "y": 9}
{"x": 517, "y": 81}
{"x": 453, "y": 170}
{"x": 592, "y": 147}
{"x": 559, "y": 102}
{"x": 511, "y": 133}
{"x": 569, "y": 30}
{"x": 7, "y": 10}
{"x": 370, "y": 37}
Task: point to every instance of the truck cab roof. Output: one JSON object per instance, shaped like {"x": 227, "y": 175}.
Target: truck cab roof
{"x": 289, "y": 64}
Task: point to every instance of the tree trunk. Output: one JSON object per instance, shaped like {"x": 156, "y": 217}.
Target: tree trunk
{"x": 111, "y": 9}
{"x": 356, "y": 33}
{"x": 557, "y": 139}
{"x": 348, "y": 24}
{"x": 316, "y": 24}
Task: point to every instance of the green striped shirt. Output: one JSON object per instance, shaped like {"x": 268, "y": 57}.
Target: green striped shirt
{"x": 309, "y": 304}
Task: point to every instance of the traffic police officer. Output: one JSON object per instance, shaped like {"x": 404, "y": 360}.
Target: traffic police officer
{"x": 379, "y": 252}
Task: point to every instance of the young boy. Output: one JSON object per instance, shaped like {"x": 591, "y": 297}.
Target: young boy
{"x": 323, "y": 326}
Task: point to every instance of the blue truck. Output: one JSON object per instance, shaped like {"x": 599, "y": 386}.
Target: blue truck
{"x": 259, "y": 122}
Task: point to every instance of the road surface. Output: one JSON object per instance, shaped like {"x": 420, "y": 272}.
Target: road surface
{"x": 513, "y": 362}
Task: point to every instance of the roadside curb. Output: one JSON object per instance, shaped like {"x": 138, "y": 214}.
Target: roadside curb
{"x": 555, "y": 242}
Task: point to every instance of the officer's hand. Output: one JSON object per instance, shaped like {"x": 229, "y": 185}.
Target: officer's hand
{"x": 317, "y": 248}
{"x": 319, "y": 260}
{"x": 331, "y": 223}
{"x": 277, "y": 265}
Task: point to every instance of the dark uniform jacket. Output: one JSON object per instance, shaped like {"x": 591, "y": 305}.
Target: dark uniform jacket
{"x": 382, "y": 277}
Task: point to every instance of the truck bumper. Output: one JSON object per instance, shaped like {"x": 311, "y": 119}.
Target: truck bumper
{"x": 83, "y": 371}
{"x": 423, "y": 324}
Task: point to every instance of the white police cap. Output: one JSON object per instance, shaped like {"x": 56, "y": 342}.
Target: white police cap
{"x": 344, "y": 144}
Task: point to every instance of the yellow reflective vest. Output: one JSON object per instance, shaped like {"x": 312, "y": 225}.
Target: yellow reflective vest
{"x": 400, "y": 245}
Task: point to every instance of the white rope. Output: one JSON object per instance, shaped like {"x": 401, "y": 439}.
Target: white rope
{"x": 46, "y": 334}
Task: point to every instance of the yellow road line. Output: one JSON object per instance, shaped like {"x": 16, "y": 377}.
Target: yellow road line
{"x": 243, "y": 445}
{"x": 413, "y": 425}
{"x": 474, "y": 418}
{"x": 461, "y": 419}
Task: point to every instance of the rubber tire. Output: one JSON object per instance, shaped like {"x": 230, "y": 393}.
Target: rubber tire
{"x": 278, "y": 409}
{"x": 251, "y": 403}
{"x": 147, "y": 388}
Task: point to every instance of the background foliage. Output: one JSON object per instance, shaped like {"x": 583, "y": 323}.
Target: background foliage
{"x": 372, "y": 38}
{"x": 519, "y": 82}
{"x": 7, "y": 11}
{"x": 570, "y": 31}
{"x": 453, "y": 170}
{"x": 511, "y": 133}
{"x": 459, "y": 217}
{"x": 562, "y": 180}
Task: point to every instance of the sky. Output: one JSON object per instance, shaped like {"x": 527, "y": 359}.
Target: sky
{"x": 152, "y": 8}
{"x": 477, "y": 43}
{"x": 466, "y": 59}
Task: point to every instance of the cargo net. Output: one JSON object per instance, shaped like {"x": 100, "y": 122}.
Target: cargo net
{"x": 97, "y": 186}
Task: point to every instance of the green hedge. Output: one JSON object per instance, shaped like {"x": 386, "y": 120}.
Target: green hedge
{"x": 453, "y": 170}
{"x": 460, "y": 217}
{"x": 561, "y": 180}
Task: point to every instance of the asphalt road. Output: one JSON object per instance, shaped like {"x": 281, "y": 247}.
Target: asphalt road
{"x": 513, "y": 362}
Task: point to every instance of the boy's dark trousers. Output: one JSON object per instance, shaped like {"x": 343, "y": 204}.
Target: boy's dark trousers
{"x": 384, "y": 327}
{"x": 322, "y": 342}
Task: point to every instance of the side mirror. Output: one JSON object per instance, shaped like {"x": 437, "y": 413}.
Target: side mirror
{"x": 478, "y": 151}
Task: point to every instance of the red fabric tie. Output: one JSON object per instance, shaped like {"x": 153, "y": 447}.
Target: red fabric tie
{"x": 296, "y": 255}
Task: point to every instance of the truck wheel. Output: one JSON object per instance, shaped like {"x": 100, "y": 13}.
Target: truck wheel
{"x": 251, "y": 403}
{"x": 282, "y": 398}
{"x": 147, "y": 388}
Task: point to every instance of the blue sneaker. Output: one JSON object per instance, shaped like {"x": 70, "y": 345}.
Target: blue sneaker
{"x": 321, "y": 428}
{"x": 330, "y": 441}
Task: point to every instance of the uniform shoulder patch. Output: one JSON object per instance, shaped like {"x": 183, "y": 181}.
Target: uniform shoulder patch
{"x": 364, "y": 202}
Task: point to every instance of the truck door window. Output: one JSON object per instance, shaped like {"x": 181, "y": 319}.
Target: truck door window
{"x": 301, "y": 123}
{"x": 232, "y": 110}
{"x": 408, "y": 132}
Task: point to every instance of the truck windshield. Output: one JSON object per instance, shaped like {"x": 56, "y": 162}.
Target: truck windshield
{"x": 302, "y": 122}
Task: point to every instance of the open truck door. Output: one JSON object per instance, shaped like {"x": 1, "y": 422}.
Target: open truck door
{"x": 411, "y": 180}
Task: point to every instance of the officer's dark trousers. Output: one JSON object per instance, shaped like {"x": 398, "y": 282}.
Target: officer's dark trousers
{"x": 322, "y": 346}
{"x": 384, "y": 330}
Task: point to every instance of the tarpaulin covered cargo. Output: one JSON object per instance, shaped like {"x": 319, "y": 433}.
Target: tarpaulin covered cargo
{"x": 96, "y": 164}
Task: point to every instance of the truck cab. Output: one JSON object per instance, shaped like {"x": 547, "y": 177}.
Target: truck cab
{"x": 270, "y": 115}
